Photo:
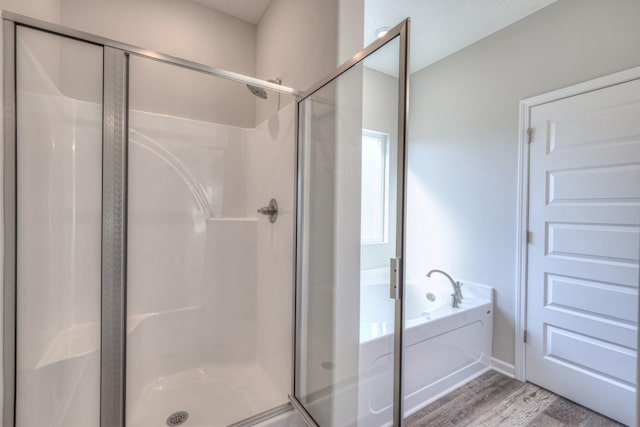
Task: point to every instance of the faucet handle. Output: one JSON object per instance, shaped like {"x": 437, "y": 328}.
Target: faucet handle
{"x": 459, "y": 290}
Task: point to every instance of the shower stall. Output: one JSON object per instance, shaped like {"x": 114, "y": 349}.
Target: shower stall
{"x": 144, "y": 276}
{"x": 154, "y": 232}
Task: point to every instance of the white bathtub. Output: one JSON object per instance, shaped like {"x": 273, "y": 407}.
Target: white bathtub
{"x": 445, "y": 347}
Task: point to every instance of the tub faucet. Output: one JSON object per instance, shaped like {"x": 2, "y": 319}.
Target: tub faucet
{"x": 457, "y": 288}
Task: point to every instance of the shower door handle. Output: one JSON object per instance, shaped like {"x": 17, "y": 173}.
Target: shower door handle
{"x": 395, "y": 280}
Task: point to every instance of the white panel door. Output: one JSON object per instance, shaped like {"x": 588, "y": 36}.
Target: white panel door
{"x": 584, "y": 223}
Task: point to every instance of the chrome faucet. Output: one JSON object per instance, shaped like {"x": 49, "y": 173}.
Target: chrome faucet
{"x": 457, "y": 288}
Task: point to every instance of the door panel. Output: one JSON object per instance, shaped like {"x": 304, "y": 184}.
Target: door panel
{"x": 584, "y": 216}
{"x": 350, "y": 224}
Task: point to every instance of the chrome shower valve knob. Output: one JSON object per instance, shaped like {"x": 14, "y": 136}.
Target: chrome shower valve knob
{"x": 271, "y": 210}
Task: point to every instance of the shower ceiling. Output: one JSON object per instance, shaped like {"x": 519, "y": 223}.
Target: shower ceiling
{"x": 442, "y": 27}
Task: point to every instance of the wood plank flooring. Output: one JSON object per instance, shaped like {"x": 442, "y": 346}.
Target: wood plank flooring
{"x": 494, "y": 399}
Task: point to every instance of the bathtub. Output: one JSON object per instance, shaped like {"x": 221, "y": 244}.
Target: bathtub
{"x": 444, "y": 347}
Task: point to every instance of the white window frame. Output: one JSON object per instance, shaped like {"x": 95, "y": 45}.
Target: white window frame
{"x": 384, "y": 141}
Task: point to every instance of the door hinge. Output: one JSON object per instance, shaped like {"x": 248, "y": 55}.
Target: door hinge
{"x": 529, "y": 135}
{"x": 524, "y": 336}
{"x": 395, "y": 282}
{"x": 529, "y": 237}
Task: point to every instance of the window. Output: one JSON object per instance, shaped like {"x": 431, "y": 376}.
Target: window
{"x": 375, "y": 183}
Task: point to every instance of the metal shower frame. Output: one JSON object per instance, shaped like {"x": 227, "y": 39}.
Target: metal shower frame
{"x": 114, "y": 208}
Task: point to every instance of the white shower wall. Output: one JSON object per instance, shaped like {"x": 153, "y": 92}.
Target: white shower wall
{"x": 210, "y": 282}
{"x": 271, "y": 174}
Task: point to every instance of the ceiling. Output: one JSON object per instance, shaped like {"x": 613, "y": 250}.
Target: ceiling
{"x": 442, "y": 27}
{"x": 438, "y": 27}
{"x": 246, "y": 10}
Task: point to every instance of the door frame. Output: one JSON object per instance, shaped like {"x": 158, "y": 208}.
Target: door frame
{"x": 523, "y": 196}
{"x": 401, "y": 31}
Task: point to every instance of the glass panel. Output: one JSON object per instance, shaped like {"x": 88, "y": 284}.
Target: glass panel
{"x": 209, "y": 287}
{"x": 345, "y": 324}
{"x": 59, "y": 187}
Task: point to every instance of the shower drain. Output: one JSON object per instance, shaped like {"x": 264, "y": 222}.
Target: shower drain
{"x": 177, "y": 418}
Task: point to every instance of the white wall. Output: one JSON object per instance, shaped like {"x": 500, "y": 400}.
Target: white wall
{"x": 302, "y": 41}
{"x": 350, "y": 28}
{"x": 464, "y": 136}
{"x": 46, "y": 10}
{"x": 297, "y": 42}
{"x": 181, "y": 28}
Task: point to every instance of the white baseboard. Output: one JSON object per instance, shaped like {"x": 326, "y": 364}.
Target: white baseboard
{"x": 503, "y": 367}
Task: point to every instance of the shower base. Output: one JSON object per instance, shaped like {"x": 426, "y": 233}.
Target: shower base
{"x": 216, "y": 395}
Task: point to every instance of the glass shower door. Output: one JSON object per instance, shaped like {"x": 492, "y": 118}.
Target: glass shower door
{"x": 351, "y": 144}
{"x": 58, "y": 174}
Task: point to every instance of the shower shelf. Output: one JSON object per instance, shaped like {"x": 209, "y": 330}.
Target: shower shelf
{"x": 233, "y": 219}
{"x": 77, "y": 340}
{"x": 84, "y": 338}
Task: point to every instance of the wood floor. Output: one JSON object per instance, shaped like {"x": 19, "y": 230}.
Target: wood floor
{"x": 497, "y": 400}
